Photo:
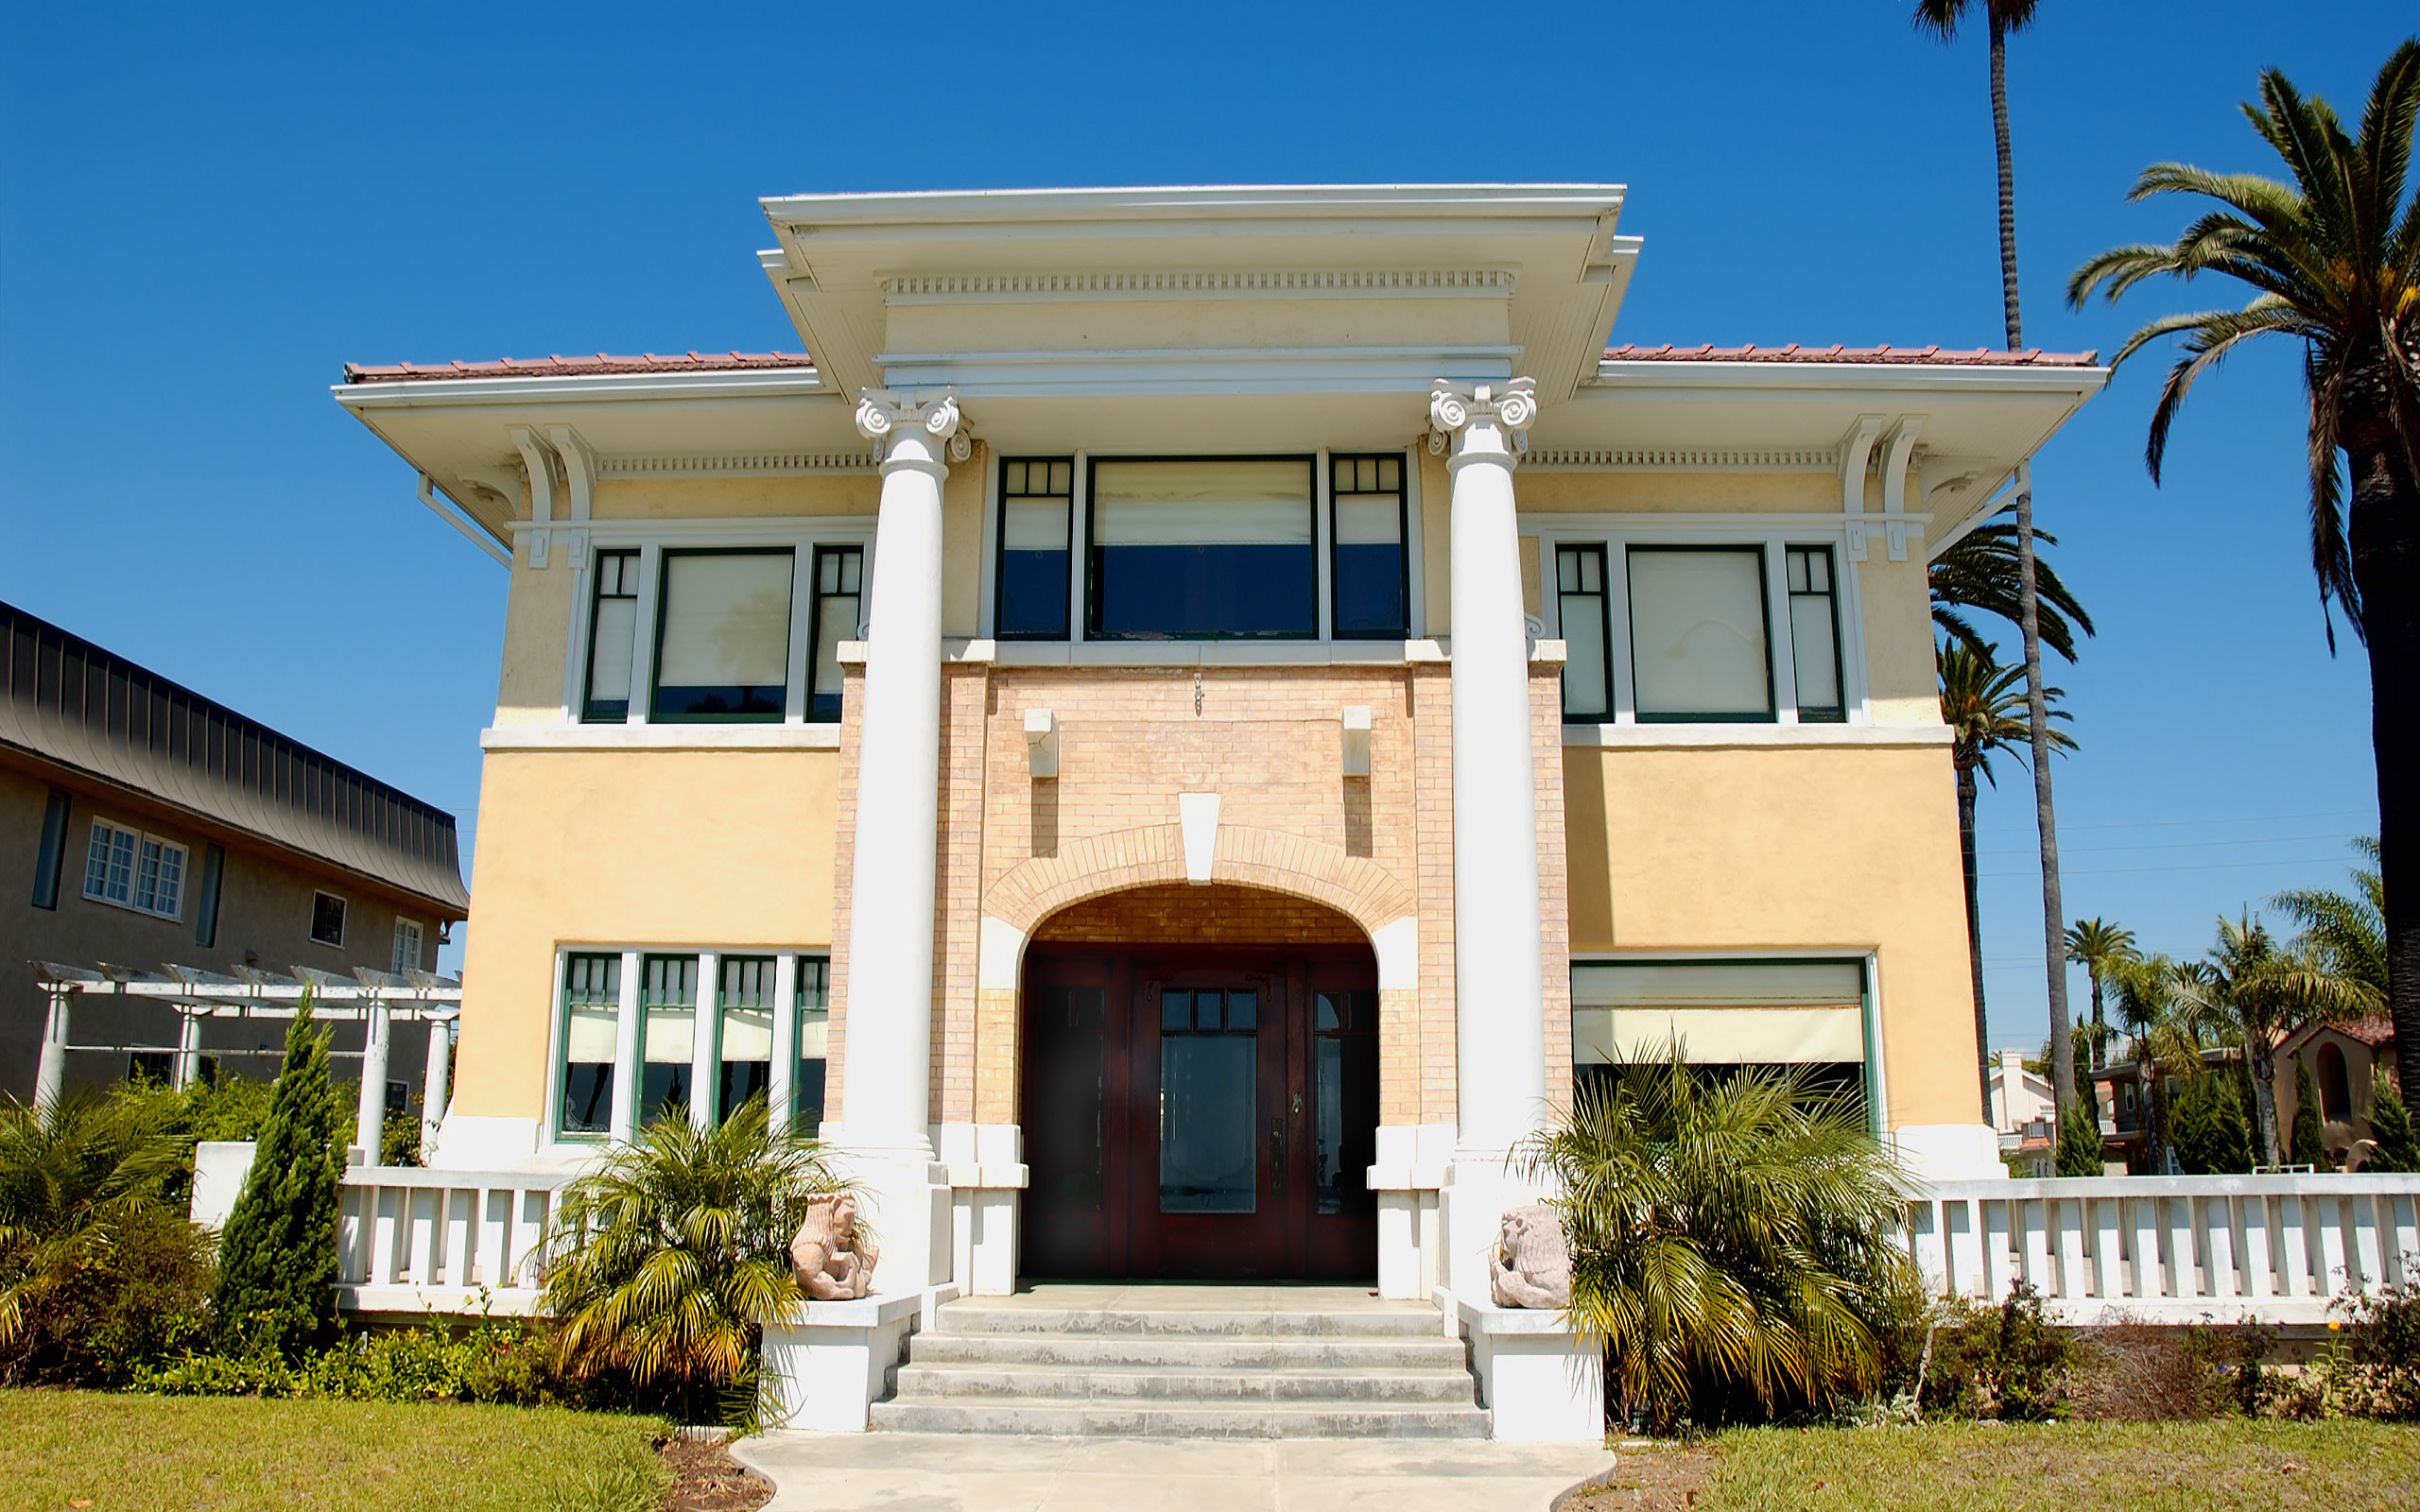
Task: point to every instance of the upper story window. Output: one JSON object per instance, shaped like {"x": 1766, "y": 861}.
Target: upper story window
{"x": 613, "y": 631}
{"x": 1587, "y": 674}
{"x": 1037, "y": 509}
{"x": 840, "y": 602}
{"x": 1203, "y": 549}
{"x": 1699, "y": 637}
{"x": 327, "y": 919}
{"x": 1370, "y": 569}
{"x": 134, "y": 870}
{"x": 409, "y": 942}
{"x": 1815, "y": 635}
{"x": 724, "y": 635}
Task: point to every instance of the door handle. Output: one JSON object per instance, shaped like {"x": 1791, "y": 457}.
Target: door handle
{"x": 1276, "y": 1155}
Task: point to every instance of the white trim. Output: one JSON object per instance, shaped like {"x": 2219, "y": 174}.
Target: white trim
{"x": 1757, "y": 737}
{"x": 1079, "y": 547}
{"x": 1415, "y": 573}
{"x": 1207, "y": 653}
{"x": 684, "y": 736}
{"x": 1781, "y": 661}
{"x": 1192, "y": 286}
{"x": 134, "y": 868}
{"x": 742, "y": 465}
{"x": 1681, "y": 459}
{"x": 1256, "y": 370}
{"x": 987, "y": 607}
{"x": 642, "y": 698}
{"x": 1651, "y": 525}
{"x": 618, "y": 532}
{"x": 1324, "y": 542}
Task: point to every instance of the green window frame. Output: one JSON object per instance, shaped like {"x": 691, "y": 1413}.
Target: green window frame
{"x": 613, "y": 637}
{"x": 838, "y": 607}
{"x": 1365, "y": 486}
{"x": 763, "y": 699}
{"x": 1812, "y": 578}
{"x": 1583, "y": 614}
{"x": 812, "y": 1001}
{"x": 591, "y": 1022}
{"x": 1030, "y": 599}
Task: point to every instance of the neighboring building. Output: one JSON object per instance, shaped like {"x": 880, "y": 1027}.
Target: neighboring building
{"x": 2023, "y": 1106}
{"x": 144, "y": 825}
{"x": 1185, "y": 724}
{"x": 2347, "y": 1062}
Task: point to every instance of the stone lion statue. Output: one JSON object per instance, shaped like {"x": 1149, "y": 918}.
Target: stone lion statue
{"x": 1531, "y": 1267}
{"x": 834, "y": 1262}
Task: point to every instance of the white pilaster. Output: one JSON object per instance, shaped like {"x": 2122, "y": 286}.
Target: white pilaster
{"x": 369, "y": 1120}
{"x": 705, "y": 1044}
{"x": 884, "y": 1134}
{"x": 1499, "y": 995}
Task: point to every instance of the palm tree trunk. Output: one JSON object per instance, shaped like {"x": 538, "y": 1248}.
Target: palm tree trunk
{"x": 2100, "y": 1025}
{"x": 2384, "y": 536}
{"x": 2007, "y": 181}
{"x": 2257, "y": 1054}
{"x": 2154, "y": 1165}
{"x": 1974, "y": 934}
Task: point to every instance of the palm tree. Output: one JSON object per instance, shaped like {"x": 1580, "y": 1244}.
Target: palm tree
{"x": 70, "y": 1172}
{"x": 1981, "y": 571}
{"x": 1979, "y": 703}
{"x": 2164, "y": 1037}
{"x": 681, "y": 1253}
{"x": 2347, "y": 929}
{"x": 2333, "y": 260}
{"x": 1731, "y": 1235}
{"x": 2262, "y": 992}
{"x": 2002, "y": 17}
{"x": 2099, "y": 947}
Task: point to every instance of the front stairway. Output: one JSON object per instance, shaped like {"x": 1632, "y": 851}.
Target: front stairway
{"x": 1186, "y": 1362}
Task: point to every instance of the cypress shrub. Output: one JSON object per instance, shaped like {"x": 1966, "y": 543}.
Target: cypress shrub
{"x": 2080, "y": 1137}
{"x": 2391, "y": 1127}
{"x": 2207, "y": 1124}
{"x": 277, "y": 1264}
{"x": 2306, "y": 1147}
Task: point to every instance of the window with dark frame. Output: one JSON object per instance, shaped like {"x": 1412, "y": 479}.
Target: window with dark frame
{"x": 1580, "y": 600}
{"x": 1368, "y": 565}
{"x": 1201, "y": 548}
{"x": 1344, "y": 1099}
{"x": 1208, "y": 1103}
{"x": 52, "y": 858}
{"x": 667, "y": 1033}
{"x": 592, "y": 1020}
{"x": 613, "y": 631}
{"x": 839, "y": 598}
{"x": 722, "y": 635}
{"x": 746, "y": 1045}
{"x": 205, "y": 913}
{"x": 812, "y": 1003}
{"x": 1700, "y": 646}
{"x": 1037, "y": 512}
{"x": 1815, "y": 635}
{"x": 327, "y": 919}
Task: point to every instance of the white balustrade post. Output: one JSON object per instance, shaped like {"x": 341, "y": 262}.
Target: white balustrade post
{"x": 435, "y": 1087}
{"x": 370, "y": 1124}
{"x": 885, "y": 1131}
{"x": 50, "y": 1071}
{"x": 1499, "y": 995}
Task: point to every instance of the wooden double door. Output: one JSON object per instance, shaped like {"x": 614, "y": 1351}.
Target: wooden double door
{"x": 1209, "y": 1115}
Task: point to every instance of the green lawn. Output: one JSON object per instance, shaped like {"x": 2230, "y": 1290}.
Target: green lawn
{"x": 129, "y": 1454}
{"x": 2023, "y": 1468}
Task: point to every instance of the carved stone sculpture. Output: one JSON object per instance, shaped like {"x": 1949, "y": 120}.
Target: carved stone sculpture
{"x": 833, "y": 1260}
{"x": 1531, "y": 1267}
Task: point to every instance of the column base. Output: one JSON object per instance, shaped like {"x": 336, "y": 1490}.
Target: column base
{"x": 1412, "y": 1160}
{"x": 1540, "y": 1381}
{"x": 986, "y": 1172}
{"x": 904, "y": 1200}
{"x": 1471, "y": 1203}
{"x": 822, "y": 1371}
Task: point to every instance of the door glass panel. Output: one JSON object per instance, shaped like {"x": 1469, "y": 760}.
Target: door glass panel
{"x": 1072, "y": 1081}
{"x": 1345, "y": 1100}
{"x": 1243, "y": 1010}
{"x": 1176, "y": 1011}
{"x": 1208, "y": 1103}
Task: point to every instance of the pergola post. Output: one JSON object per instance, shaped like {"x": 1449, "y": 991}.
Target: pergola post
{"x": 369, "y": 1126}
{"x": 50, "y": 1073}
{"x": 434, "y": 1090}
{"x": 188, "y": 1060}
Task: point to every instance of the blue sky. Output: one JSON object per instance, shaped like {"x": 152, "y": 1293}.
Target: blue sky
{"x": 204, "y": 212}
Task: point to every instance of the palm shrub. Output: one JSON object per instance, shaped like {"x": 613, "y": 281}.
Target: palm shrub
{"x": 679, "y": 1256}
{"x": 277, "y": 1268}
{"x": 1730, "y": 1235}
{"x": 99, "y": 1271}
{"x": 2394, "y": 1148}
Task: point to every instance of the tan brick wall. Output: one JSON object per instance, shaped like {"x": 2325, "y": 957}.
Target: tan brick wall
{"x": 1188, "y": 914}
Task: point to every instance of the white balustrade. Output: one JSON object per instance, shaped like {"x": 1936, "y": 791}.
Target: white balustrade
{"x": 414, "y": 1241}
{"x": 2170, "y": 1249}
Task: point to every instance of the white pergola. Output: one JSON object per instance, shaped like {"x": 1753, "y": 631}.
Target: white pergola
{"x": 371, "y": 997}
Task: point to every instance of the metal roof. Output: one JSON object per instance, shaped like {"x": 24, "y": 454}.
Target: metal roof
{"x": 65, "y": 700}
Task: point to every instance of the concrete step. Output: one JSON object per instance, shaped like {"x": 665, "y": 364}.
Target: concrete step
{"x": 1043, "y": 1415}
{"x": 1186, "y": 1352}
{"x": 1406, "y": 1322}
{"x": 1146, "y": 1385}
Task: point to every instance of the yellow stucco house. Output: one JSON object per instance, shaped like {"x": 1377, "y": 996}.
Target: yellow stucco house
{"x": 1179, "y": 724}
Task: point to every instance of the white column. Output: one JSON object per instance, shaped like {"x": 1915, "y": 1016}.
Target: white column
{"x": 885, "y": 1131}
{"x": 50, "y": 1071}
{"x": 188, "y": 1046}
{"x": 705, "y": 1045}
{"x": 370, "y": 1124}
{"x": 435, "y": 1091}
{"x": 1500, "y": 996}
{"x": 627, "y": 1031}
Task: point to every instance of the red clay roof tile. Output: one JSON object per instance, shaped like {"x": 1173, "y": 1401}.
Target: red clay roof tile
{"x": 1973, "y": 357}
{"x": 601, "y": 363}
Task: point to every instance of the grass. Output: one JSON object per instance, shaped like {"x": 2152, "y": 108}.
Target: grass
{"x": 2022, "y": 1467}
{"x": 128, "y": 1453}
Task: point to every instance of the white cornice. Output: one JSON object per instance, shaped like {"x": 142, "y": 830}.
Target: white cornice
{"x": 1681, "y": 459}
{"x": 970, "y": 289}
{"x": 1216, "y": 370}
{"x": 1344, "y": 202}
{"x": 741, "y": 464}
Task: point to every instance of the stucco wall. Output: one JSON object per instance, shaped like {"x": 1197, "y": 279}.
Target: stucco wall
{"x": 1791, "y": 850}
{"x": 685, "y": 850}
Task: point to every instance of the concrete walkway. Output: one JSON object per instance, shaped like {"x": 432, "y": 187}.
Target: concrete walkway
{"x": 957, "y": 1473}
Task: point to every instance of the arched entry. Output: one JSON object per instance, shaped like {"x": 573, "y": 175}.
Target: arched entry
{"x": 1201, "y": 1087}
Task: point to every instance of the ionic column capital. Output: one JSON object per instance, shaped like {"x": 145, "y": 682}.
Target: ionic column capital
{"x": 1482, "y": 422}
{"x": 914, "y": 429}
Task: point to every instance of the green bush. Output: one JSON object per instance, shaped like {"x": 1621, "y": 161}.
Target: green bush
{"x": 2390, "y": 1128}
{"x": 2005, "y": 1363}
{"x": 111, "y": 1301}
{"x": 2212, "y": 1135}
{"x": 277, "y": 1266}
{"x": 491, "y": 1361}
{"x": 2080, "y": 1137}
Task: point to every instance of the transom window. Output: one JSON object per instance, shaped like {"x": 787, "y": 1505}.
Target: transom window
{"x": 134, "y": 870}
{"x": 1203, "y": 549}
